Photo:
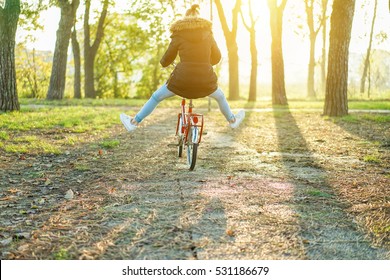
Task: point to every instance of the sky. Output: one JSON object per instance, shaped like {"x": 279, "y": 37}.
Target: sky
{"x": 295, "y": 47}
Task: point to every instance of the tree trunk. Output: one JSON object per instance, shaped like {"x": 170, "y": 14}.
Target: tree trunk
{"x": 324, "y": 35}
{"x": 156, "y": 77}
{"x": 278, "y": 84}
{"x": 9, "y": 17}
{"x": 231, "y": 45}
{"x": 77, "y": 65}
{"x": 367, "y": 59}
{"x": 369, "y": 81}
{"x": 311, "y": 67}
{"x": 90, "y": 51}
{"x": 253, "y": 80}
{"x": 336, "y": 97}
{"x": 313, "y": 32}
{"x": 58, "y": 72}
{"x": 253, "y": 49}
{"x": 35, "y": 76}
{"x": 234, "y": 86}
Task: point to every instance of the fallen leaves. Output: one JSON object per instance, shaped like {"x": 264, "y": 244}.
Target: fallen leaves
{"x": 230, "y": 232}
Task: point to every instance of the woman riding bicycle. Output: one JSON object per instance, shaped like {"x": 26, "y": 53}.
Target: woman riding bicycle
{"x": 194, "y": 76}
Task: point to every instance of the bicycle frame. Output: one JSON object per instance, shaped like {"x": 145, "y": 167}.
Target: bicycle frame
{"x": 189, "y": 120}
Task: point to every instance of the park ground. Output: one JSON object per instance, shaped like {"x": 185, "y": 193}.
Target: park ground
{"x": 288, "y": 184}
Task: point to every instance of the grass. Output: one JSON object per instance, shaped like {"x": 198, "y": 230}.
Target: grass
{"x": 203, "y": 103}
{"x": 318, "y": 193}
{"x": 62, "y": 254}
{"x": 357, "y": 118}
{"x": 82, "y": 102}
{"x": 40, "y": 147}
{"x": 81, "y": 167}
{"x": 109, "y": 144}
{"x": 57, "y": 125}
{"x": 371, "y": 159}
{"x": 78, "y": 119}
{"x": 4, "y": 135}
{"x": 49, "y": 130}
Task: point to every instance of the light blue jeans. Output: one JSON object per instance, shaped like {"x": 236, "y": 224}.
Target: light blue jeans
{"x": 164, "y": 93}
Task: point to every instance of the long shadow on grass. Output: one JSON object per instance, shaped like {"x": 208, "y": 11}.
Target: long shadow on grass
{"x": 369, "y": 137}
{"x": 371, "y": 127}
{"x": 327, "y": 232}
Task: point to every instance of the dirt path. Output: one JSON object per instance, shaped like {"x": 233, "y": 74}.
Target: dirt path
{"x": 138, "y": 201}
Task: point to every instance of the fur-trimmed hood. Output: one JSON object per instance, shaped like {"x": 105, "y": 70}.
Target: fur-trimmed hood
{"x": 192, "y": 39}
{"x": 191, "y": 23}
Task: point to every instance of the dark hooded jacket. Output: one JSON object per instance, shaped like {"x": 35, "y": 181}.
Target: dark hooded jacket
{"x": 193, "y": 40}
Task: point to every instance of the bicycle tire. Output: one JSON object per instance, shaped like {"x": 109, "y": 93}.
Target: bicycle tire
{"x": 180, "y": 138}
{"x": 180, "y": 147}
{"x": 193, "y": 151}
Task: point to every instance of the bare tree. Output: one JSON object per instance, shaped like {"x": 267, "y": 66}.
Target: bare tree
{"x": 313, "y": 32}
{"x": 58, "y": 72}
{"x": 231, "y": 44}
{"x": 9, "y": 17}
{"x": 336, "y": 97}
{"x": 276, "y": 22}
{"x": 90, "y": 50}
{"x": 367, "y": 59}
{"x": 253, "y": 49}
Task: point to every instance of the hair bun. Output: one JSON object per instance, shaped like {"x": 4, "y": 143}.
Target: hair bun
{"x": 193, "y": 11}
{"x": 195, "y": 7}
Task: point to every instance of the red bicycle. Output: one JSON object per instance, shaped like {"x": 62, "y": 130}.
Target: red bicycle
{"x": 189, "y": 131}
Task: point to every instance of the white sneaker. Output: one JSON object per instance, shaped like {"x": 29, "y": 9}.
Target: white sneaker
{"x": 239, "y": 118}
{"x": 126, "y": 121}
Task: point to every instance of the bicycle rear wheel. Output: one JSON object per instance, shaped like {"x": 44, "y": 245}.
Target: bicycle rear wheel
{"x": 180, "y": 137}
{"x": 180, "y": 147}
{"x": 192, "y": 152}
{"x": 192, "y": 148}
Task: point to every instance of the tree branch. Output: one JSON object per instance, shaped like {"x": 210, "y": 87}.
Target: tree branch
{"x": 283, "y": 5}
{"x": 222, "y": 18}
{"x": 243, "y": 21}
{"x": 100, "y": 29}
{"x": 235, "y": 12}
{"x": 87, "y": 35}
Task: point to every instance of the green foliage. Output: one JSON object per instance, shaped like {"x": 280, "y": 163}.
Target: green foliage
{"x": 33, "y": 70}
{"x": 155, "y": 18}
{"x": 29, "y": 16}
{"x": 128, "y": 61}
{"x": 121, "y": 55}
